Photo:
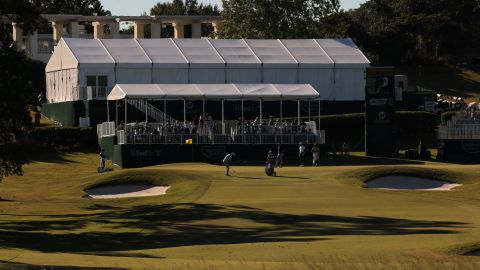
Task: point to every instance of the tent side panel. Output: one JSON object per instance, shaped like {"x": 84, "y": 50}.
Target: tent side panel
{"x": 349, "y": 84}
{"x": 207, "y": 75}
{"x": 280, "y": 75}
{"x": 141, "y": 75}
{"x": 92, "y": 71}
{"x": 178, "y": 75}
{"x": 244, "y": 75}
{"x": 321, "y": 80}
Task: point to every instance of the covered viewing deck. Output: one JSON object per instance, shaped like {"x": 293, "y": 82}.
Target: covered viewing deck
{"x": 203, "y": 130}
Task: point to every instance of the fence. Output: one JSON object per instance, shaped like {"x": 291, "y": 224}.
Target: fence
{"x": 106, "y": 129}
{"x": 462, "y": 126}
{"x": 221, "y": 139}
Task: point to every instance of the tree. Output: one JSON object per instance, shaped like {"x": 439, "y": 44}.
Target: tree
{"x": 417, "y": 30}
{"x": 189, "y": 7}
{"x": 17, "y": 84}
{"x": 274, "y": 18}
{"x": 179, "y": 7}
{"x": 82, "y": 7}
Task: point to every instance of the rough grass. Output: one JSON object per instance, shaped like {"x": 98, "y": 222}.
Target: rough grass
{"x": 307, "y": 218}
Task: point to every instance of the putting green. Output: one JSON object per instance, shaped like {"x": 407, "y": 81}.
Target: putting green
{"x": 305, "y": 218}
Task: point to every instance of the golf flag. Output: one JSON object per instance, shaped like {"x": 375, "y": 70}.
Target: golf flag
{"x": 188, "y": 141}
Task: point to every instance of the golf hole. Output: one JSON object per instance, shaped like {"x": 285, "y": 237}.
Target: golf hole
{"x": 399, "y": 182}
{"x": 126, "y": 191}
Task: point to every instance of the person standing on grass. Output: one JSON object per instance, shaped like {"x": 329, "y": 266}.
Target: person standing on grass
{"x": 280, "y": 155}
{"x": 316, "y": 155}
{"x": 301, "y": 154}
{"x": 227, "y": 160}
{"x": 38, "y": 116}
{"x": 102, "y": 159}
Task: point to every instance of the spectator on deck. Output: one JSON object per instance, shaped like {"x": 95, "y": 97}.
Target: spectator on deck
{"x": 280, "y": 155}
{"x": 316, "y": 155}
{"x": 301, "y": 154}
{"x": 38, "y": 116}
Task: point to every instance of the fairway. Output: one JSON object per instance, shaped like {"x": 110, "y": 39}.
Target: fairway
{"x": 306, "y": 218}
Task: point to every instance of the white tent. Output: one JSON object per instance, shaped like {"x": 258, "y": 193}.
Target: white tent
{"x": 349, "y": 63}
{"x": 279, "y": 66}
{"x": 132, "y": 63}
{"x": 334, "y": 67}
{"x": 214, "y": 91}
{"x": 243, "y": 66}
{"x": 169, "y": 64}
{"x": 206, "y": 65}
{"x": 315, "y": 66}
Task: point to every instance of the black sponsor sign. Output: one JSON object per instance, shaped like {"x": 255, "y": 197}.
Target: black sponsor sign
{"x": 380, "y": 114}
{"x": 213, "y": 152}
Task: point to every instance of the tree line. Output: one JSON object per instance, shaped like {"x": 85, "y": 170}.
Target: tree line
{"x": 389, "y": 32}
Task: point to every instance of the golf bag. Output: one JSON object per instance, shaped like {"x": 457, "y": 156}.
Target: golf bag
{"x": 270, "y": 169}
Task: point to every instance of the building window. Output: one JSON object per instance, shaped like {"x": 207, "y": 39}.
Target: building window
{"x": 98, "y": 85}
{"x": 45, "y": 45}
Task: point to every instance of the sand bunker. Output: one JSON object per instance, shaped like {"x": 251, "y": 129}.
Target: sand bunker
{"x": 396, "y": 182}
{"x": 125, "y": 191}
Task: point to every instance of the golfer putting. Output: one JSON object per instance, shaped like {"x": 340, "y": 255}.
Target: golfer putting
{"x": 227, "y": 160}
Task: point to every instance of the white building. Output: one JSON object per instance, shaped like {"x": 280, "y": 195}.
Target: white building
{"x": 39, "y": 46}
{"x": 81, "y": 69}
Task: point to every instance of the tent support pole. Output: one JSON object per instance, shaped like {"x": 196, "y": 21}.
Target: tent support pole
{"x": 309, "y": 111}
{"x": 126, "y": 109}
{"x": 116, "y": 113}
{"x": 243, "y": 125}
{"x": 261, "y": 111}
{"x": 146, "y": 110}
{"x": 108, "y": 111}
{"x": 165, "y": 117}
{"x": 281, "y": 110}
{"x": 203, "y": 110}
{"x": 319, "y": 129}
{"x": 184, "y": 111}
{"x": 223, "y": 116}
{"x": 298, "y": 111}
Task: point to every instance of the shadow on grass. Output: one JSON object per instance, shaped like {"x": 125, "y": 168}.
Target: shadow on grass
{"x": 160, "y": 226}
{"x": 348, "y": 160}
{"x": 331, "y": 160}
{"x": 25, "y": 266}
{"x": 292, "y": 177}
{"x": 51, "y": 157}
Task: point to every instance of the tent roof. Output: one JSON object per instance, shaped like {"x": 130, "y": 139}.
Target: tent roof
{"x": 126, "y": 52}
{"x": 199, "y": 52}
{"x": 213, "y": 91}
{"x": 88, "y": 51}
{"x": 212, "y": 53}
{"x": 308, "y": 53}
{"x": 164, "y": 53}
{"x": 344, "y": 52}
{"x": 272, "y": 51}
{"x": 236, "y": 52}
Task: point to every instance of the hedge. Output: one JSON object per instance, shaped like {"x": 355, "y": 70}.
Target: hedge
{"x": 412, "y": 122}
{"x": 448, "y": 116}
{"x": 416, "y": 122}
{"x": 66, "y": 136}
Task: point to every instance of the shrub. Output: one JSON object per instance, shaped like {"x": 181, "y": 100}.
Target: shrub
{"x": 64, "y": 136}
{"x": 447, "y": 116}
{"x": 416, "y": 122}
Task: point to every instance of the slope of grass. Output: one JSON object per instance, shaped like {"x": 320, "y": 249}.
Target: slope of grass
{"x": 448, "y": 80}
{"x": 307, "y": 218}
